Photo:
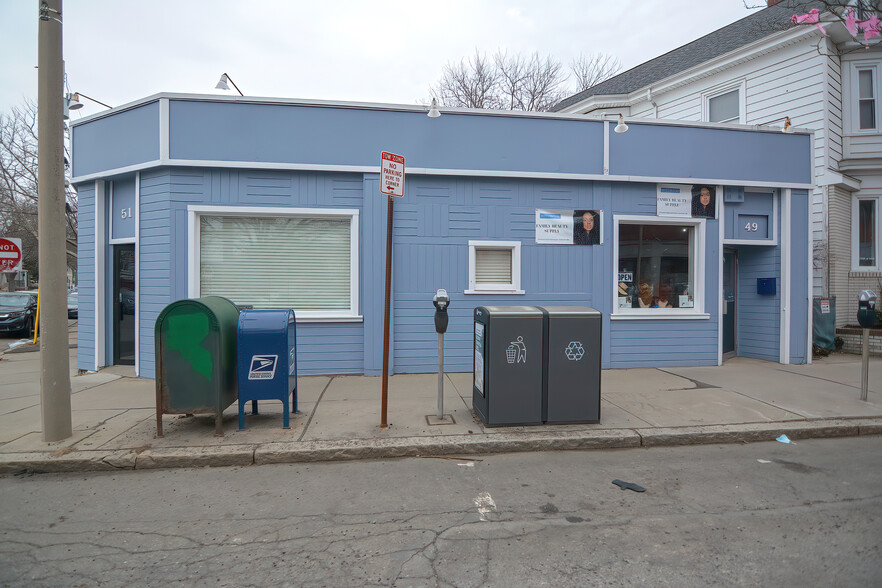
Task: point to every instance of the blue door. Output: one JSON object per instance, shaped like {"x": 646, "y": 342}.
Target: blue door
{"x": 730, "y": 293}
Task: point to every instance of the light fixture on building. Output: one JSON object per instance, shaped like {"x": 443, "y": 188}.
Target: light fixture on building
{"x": 223, "y": 85}
{"x": 621, "y": 127}
{"x": 433, "y": 109}
{"x": 787, "y": 125}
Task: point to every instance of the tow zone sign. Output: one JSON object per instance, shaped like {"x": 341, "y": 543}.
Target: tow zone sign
{"x": 391, "y": 174}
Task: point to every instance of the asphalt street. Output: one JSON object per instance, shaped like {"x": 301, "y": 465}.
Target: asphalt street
{"x": 808, "y": 513}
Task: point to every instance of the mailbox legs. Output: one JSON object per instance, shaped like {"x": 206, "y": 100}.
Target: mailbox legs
{"x": 219, "y": 424}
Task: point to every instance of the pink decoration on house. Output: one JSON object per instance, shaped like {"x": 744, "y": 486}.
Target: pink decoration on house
{"x": 851, "y": 23}
{"x": 811, "y": 17}
{"x": 871, "y": 27}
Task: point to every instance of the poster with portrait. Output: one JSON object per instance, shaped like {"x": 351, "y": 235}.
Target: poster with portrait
{"x": 569, "y": 227}
{"x": 704, "y": 201}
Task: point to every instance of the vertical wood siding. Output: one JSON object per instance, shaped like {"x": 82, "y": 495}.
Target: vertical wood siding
{"x": 86, "y": 276}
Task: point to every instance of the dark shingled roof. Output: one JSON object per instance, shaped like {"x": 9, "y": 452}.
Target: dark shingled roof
{"x": 729, "y": 38}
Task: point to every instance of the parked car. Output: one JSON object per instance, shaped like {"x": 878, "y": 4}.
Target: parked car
{"x": 18, "y": 312}
{"x": 72, "y": 305}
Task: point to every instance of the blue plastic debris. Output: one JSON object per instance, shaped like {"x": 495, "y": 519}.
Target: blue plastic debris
{"x": 783, "y": 439}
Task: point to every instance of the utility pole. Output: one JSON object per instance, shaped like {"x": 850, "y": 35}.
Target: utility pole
{"x": 54, "y": 354}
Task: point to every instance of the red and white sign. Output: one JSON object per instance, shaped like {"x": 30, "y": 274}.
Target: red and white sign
{"x": 10, "y": 254}
{"x": 391, "y": 174}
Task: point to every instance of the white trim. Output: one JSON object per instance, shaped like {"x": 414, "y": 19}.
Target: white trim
{"x": 195, "y": 211}
{"x": 164, "y": 129}
{"x": 514, "y": 287}
{"x": 740, "y": 85}
{"x": 855, "y": 233}
{"x": 853, "y": 99}
{"x": 137, "y": 272}
{"x": 784, "y": 355}
{"x": 373, "y": 169}
{"x": 116, "y": 171}
{"x": 100, "y": 294}
{"x": 663, "y": 314}
{"x": 699, "y": 261}
{"x": 810, "y": 286}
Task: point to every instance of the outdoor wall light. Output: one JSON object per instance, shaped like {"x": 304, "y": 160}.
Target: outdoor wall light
{"x": 76, "y": 98}
{"x": 621, "y": 127}
{"x": 433, "y": 109}
{"x": 787, "y": 125}
{"x": 223, "y": 85}
{"x": 73, "y": 101}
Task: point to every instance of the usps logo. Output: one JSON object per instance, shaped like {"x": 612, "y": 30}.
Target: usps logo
{"x": 263, "y": 367}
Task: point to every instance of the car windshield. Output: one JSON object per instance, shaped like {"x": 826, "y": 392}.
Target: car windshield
{"x": 72, "y": 298}
{"x": 10, "y": 299}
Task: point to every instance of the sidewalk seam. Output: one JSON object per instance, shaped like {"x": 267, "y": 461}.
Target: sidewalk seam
{"x": 315, "y": 408}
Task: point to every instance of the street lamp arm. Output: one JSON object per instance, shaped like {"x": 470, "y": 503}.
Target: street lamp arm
{"x": 81, "y": 95}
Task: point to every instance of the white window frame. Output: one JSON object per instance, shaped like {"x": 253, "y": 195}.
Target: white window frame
{"x": 514, "y": 287}
{"x": 855, "y": 235}
{"x": 741, "y": 86}
{"x": 699, "y": 246}
{"x": 195, "y": 212}
{"x": 855, "y": 99}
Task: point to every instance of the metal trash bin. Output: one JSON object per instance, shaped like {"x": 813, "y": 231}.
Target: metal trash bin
{"x": 267, "y": 342}
{"x": 507, "y": 389}
{"x": 196, "y": 358}
{"x": 571, "y": 391}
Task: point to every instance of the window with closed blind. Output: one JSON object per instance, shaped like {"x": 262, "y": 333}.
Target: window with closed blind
{"x": 494, "y": 267}
{"x": 304, "y": 261}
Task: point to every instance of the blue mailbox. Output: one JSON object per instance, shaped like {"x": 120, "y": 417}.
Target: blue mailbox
{"x": 267, "y": 360}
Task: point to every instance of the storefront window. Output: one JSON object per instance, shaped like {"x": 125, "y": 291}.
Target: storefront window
{"x": 656, "y": 266}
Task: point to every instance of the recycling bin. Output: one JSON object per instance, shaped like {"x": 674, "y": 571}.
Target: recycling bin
{"x": 267, "y": 361}
{"x": 571, "y": 391}
{"x": 507, "y": 388}
{"x": 196, "y": 358}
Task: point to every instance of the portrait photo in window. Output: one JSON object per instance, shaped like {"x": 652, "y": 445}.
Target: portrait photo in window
{"x": 586, "y": 227}
{"x": 704, "y": 202}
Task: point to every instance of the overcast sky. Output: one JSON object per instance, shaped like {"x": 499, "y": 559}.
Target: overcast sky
{"x": 391, "y": 51}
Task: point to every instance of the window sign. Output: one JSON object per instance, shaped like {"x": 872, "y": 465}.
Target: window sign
{"x": 569, "y": 227}
{"x": 656, "y": 266}
{"x": 704, "y": 202}
{"x": 673, "y": 200}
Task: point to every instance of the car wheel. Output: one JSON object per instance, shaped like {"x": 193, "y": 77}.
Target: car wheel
{"x": 29, "y": 328}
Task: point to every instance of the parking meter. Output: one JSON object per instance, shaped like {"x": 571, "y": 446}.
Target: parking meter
{"x": 441, "y": 301}
{"x": 866, "y": 314}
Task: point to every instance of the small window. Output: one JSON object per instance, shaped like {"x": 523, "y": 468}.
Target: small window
{"x": 867, "y": 237}
{"x": 494, "y": 267}
{"x": 724, "y": 108}
{"x": 866, "y": 99}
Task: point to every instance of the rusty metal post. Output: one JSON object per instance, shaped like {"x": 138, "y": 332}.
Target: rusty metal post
{"x": 384, "y": 423}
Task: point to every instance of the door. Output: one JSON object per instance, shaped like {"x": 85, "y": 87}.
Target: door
{"x": 730, "y": 293}
{"x": 124, "y": 305}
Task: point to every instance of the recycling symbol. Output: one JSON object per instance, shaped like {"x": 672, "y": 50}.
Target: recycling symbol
{"x": 574, "y": 351}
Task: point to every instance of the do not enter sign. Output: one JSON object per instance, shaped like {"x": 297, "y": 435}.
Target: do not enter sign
{"x": 391, "y": 174}
{"x": 10, "y": 254}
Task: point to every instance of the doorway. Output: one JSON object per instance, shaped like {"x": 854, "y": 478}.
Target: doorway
{"x": 124, "y": 305}
{"x": 730, "y": 306}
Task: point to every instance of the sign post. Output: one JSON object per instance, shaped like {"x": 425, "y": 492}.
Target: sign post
{"x": 391, "y": 184}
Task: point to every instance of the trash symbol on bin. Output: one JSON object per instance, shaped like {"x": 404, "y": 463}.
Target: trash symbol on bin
{"x": 574, "y": 351}
{"x": 516, "y": 352}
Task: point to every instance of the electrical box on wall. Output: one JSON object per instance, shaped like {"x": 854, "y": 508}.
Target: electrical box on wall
{"x": 765, "y": 286}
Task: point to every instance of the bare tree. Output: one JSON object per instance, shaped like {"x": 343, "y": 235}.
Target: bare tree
{"x": 515, "y": 82}
{"x": 589, "y": 70}
{"x": 18, "y": 183}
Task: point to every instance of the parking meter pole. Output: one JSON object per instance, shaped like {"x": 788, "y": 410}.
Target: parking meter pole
{"x": 440, "y": 375}
{"x": 865, "y": 363}
{"x": 385, "y": 399}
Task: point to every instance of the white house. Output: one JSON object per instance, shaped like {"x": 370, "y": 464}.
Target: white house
{"x": 762, "y": 70}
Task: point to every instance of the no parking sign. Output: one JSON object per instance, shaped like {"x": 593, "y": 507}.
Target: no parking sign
{"x": 10, "y": 254}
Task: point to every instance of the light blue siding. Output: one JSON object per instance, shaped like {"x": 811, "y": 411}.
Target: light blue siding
{"x": 759, "y": 316}
{"x": 86, "y": 276}
{"x": 799, "y": 268}
{"x": 123, "y": 197}
{"x": 122, "y": 139}
{"x": 353, "y": 136}
{"x": 673, "y": 151}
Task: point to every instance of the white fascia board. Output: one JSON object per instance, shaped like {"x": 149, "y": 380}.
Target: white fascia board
{"x": 720, "y": 63}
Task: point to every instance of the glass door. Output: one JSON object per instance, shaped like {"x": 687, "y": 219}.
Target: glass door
{"x": 124, "y": 305}
{"x": 730, "y": 293}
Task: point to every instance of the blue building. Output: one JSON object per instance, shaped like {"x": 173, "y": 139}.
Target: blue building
{"x": 692, "y": 239}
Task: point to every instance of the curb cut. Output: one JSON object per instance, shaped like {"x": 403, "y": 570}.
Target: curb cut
{"x": 388, "y": 448}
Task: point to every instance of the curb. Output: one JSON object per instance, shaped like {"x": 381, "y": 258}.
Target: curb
{"x": 459, "y": 445}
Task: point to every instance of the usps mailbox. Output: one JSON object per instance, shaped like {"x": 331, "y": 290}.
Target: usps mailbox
{"x": 267, "y": 341}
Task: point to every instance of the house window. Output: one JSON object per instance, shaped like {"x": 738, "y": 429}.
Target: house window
{"x": 307, "y": 261}
{"x": 494, "y": 267}
{"x": 866, "y": 99}
{"x": 868, "y": 229}
{"x": 659, "y": 268}
{"x": 724, "y": 108}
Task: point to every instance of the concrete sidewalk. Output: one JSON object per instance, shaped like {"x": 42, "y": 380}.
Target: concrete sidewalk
{"x": 743, "y": 400}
